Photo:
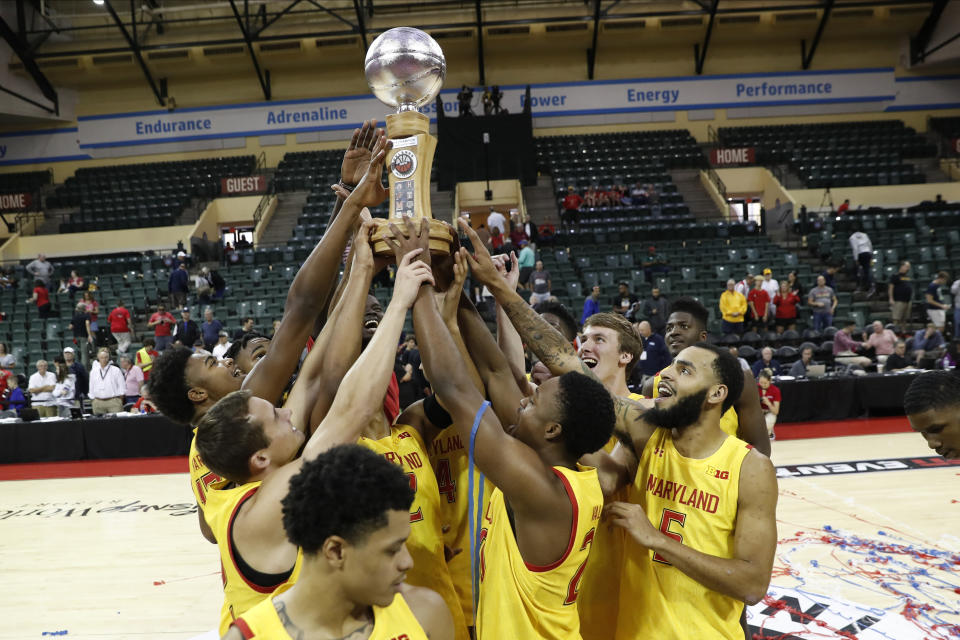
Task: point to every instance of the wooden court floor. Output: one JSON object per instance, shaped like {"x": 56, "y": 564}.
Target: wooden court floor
{"x": 121, "y": 557}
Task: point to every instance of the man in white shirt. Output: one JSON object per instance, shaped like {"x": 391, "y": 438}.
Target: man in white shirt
{"x": 863, "y": 254}
{"x": 41, "y": 387}
{"x": 772, "y": 287}
{"x": 223, "y": 344}
{"x": 497, "y": 220}
{"x": 744, "y": 286}
{"x": 107, "y": 385}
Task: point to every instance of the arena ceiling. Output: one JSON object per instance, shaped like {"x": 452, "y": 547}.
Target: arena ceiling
{"x": 65, "y": 38}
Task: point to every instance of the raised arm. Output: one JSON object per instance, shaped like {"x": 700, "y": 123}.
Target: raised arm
{"x": 752, "y": 426}
{"x": 746, "y": 575}
{"x": 509, "y": 341}
{"x": 310, "y": 289}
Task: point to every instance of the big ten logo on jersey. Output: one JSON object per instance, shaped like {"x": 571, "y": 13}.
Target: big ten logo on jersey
{"x": 713, "y": 472}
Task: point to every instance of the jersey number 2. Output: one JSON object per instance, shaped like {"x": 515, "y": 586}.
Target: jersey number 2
{"x": 573, "y": 589}
{"x": 669, "y": 516}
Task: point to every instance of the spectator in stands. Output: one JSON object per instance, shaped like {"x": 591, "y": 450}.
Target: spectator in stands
{"x": 121, "y": 326}
{"x": 927, "y": 342}
{"x": 146, "y": 355}
{"x": 653, "y": 198}
{"x": 656, "y": 309}
{"x": 210, "y": 329}
{"x": 758, "y": 305}
{"x": 132, "y": 380}
{"x": 41, "y": 297}
{"x": 845, "y": 348}
{"x": 955, "y": 292}
{"x": 223, "y": 344}
{"x": 219, "y": 285}
{"x": 93, "y": 310}
{"x": 186, "y": 332}
{"x": 882, "y": 341}
{"x": 638, "y": 195}
{"x": 654, "y": 264}
{"x": 527, "y": 260}
{"x": 7, "y": 359}
{"x": 823, "y": 301}
{"x": 624, "y": 300}
{"x": 178, "y": 285}
{"x": 769, "y": 400}
{"x": 107, "y": 386}
{"x": 82, "y": 331}
{"x": 900, "y": 293}
{"x": 772, "y": 287}
{"x": 785, "y": 305}
{"x": 733, "y": 306}
{"x": 951, "y": 356}
{"x": 655, "y": 356}
{"x": 898, "y": 360}
{"x": 65, "y": 390}
{"x": 41, "y": 270}
{"x": 74, "y": 283}
{"x": 615, "y": 195}
{"x": 202, "y": 286}
{"x": 518, "y": 235}
{"x": 591, "y": 198}
{"x": 245, "y": 327}
{"x": 843, "y": 208}
{"x": 541, "y": 284}
{"x": 496, "y": 220}
{"x": 735, "y": 352}
{"x": 799, "y": 368}
{"x": 936, "y": 310}
{"x": 744, "y": 286}
{"x": 163, "y": 323}
{"x": 41, "y": 387}
{"x": 484, "y": 234}
{"x": 794, "y": 283}
{"x": 143, "y": 405}
{"x": 766, "y": 361}
{"x": 830, "y": 276}
{"x": 863, "y": 256}
{"x": 7, "y": 280}
{"x": 591, "y": 304}
{"x": 496, "y": 241}
{"x": 5, "y": 375}
{"x": 15, "y": 400}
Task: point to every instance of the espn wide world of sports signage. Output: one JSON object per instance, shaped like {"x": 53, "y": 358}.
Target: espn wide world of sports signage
{"x": 876, "y": 89}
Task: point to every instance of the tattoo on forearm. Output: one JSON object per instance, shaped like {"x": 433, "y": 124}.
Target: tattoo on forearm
{"x": 297, "y": 633}
{"x": 549, "y": 345}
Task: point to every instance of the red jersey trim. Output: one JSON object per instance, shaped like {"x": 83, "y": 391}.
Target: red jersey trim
{"x": 573, "y": 529}
{"x": 244, "y": 628}
{"x": 233, "y": 560}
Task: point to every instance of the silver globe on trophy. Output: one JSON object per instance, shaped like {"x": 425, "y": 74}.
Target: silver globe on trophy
{"x": 405, "y": 69}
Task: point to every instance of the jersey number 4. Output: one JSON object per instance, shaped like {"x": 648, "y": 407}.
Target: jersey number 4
{"x": 669, "y": 517}
{"x": 445, "y": 481}
{"x": 573, "y": 589}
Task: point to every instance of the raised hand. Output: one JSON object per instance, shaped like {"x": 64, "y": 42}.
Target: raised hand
{"x": 357, "y": 157}
{"x": 409, "y": 235}
{"x": 481, "y": 264}
{"x": 362, "y": 251}
{"x": 411, "y": 274}
{"x": 512, "y": 277}
{"x": 370, "y": 191}
{"x": 451, "y": 297}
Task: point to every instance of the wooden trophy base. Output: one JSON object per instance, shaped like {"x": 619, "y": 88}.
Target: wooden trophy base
{"x": 440, "y": 237}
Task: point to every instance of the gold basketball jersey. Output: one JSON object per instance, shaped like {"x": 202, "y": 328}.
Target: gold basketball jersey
{"x": 405, "y": 447}
{"x": 239, "y": 594}
{"x": 450, "y": 461}
{"x": 694, "y": 501}
{"x": 729, "y": 421}
{"x": 202, "y": 481}
{"x": 389, "y": 623}
{"x": 521, "y": 600}
{"x": 600, "y": 587}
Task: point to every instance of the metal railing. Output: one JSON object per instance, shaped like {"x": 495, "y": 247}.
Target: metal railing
{"x": 261, "y": 162}
{"x": 262, "y": 206}
{"x": 717, "y": 182}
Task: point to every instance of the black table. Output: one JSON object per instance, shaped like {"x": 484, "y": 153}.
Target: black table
{"x": 843, "y": 397}
{"x": 94, "y": 438}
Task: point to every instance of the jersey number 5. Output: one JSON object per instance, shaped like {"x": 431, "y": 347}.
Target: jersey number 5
{"x": 669, "y": 516}
{"x": 573, "y": 589}
{"x": 203, "y": 485}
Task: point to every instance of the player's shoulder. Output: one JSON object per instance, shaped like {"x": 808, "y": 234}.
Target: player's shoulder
{"x": 756, "y": 470}
{"x": 429, "y": 608}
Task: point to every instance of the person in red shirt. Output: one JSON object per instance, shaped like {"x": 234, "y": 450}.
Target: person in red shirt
{"x": 758, "y": 305}
{"x": 93, "y": 308}
{"x": 843, "y": 208}
{"x": 121, "y": 326}
{"x": 4, "y": 376}
{"x": 162, "y": 322}
{"x": 786, "y": 302}
{"x": 42, "y": 299}
{"x": 769, "y": 400}
{"x": 571, "y": 208}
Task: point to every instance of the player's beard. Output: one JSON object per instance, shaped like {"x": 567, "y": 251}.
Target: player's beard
{"x": 681, "y": 415}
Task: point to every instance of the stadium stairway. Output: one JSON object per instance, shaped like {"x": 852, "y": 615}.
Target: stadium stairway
{"x": 694, "y": 195}
{"x": 289, "y": 207}
{"x": 541, "y": 202}
{"x": 930, "y": 167}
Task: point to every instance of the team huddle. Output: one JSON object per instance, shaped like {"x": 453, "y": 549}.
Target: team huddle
{"x": 508, "y": 504}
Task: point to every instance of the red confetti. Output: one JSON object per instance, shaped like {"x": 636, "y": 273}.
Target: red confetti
{"x": 157, "y": 583}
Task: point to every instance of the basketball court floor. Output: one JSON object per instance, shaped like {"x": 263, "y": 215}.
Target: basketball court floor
{"x": 869, "y": 547}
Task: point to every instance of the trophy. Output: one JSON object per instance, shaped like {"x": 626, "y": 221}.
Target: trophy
{"x": 405, "y": 69}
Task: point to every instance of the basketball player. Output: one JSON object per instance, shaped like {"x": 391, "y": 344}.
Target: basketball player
{"x": 541, "y": 519}
{"x": 932, "y": 404}
{"x": 687, "y": 325}
{"x": 256, "y": 448}
{"x": 701, "y": 516}
{"x": 348, "y": 511}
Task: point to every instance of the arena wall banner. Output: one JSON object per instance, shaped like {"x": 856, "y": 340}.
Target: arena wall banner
{"x": 15, "y": 202}
{"x": 243, "y": 185}
{"x": 722, "y": 157}
{"x": 45, "y": 145}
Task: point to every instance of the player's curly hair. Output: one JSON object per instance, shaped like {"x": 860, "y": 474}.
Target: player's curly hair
{"x": 727, "y": 369}
{"x": 168, "y": 386}
{"x": 242, "y": 343}
{"x": 932, "y": 390}
{"x": 566, "y": 320}
{"x": 227, "y": 435}
{"x": 627, "y": 336}
{"x": 687, "y": 304}
{"x": 345, "y": 491}
{"x": 587, "y": 413}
